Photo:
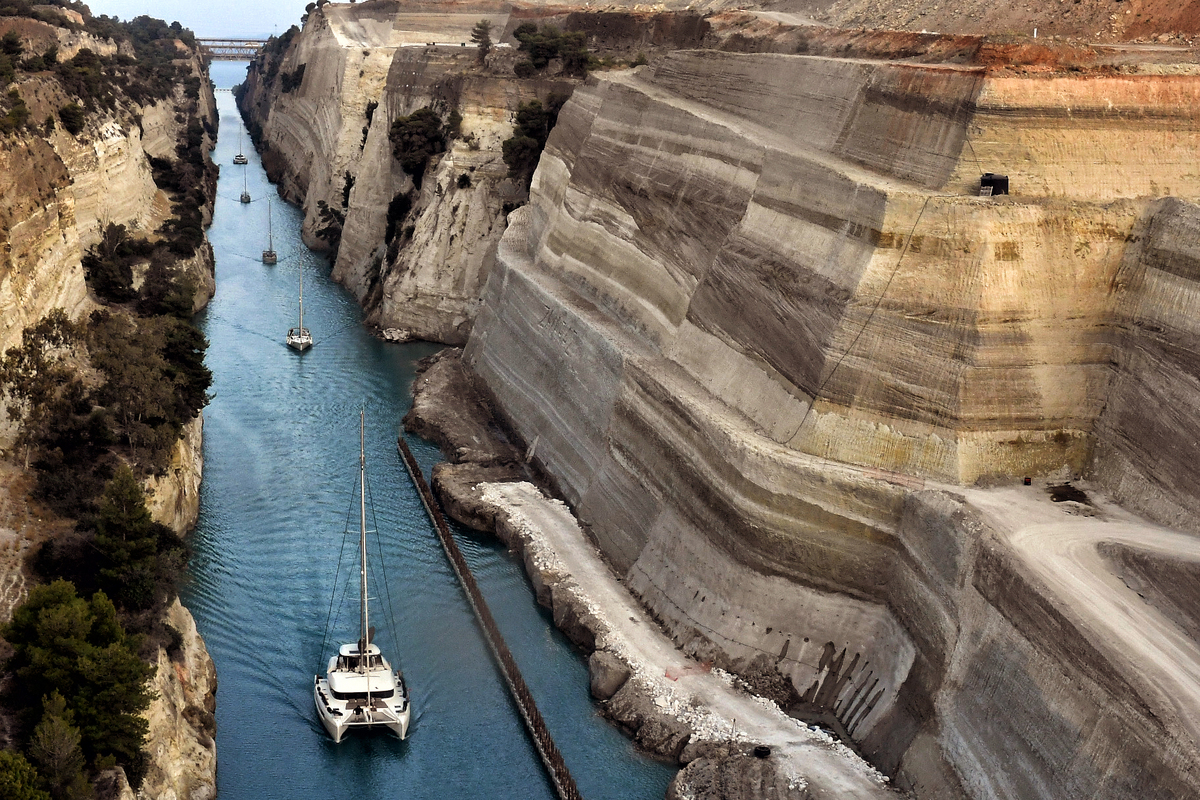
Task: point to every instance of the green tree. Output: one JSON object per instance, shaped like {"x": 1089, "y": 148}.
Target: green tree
{"x": 416, "y": 139}
{"x": 35, "y": 373}
{"x": 72, "y": 118}
{"x": 572, "y": 48}
{"x": 534, "y": 122}
{"x": 127, "y": 540}
{"x": 56, "y": 751}
{"x": 108, "y": 266}
{"x": 77, "y": 647}
{"x": 10, "y": 44}
{"x": 18, "y": 778}
{"x": 481, "y": 35}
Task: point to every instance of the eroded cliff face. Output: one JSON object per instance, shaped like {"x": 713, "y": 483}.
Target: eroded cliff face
{"x": 758, "y": 325}
{"x": 419, "y": 274}
{"x": 61, "y": 190}
{"x": 65, "y": 189}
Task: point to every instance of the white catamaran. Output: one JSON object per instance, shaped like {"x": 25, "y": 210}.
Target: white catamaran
{"x": 299, "y": 338}
{"x": 360, "y": 689}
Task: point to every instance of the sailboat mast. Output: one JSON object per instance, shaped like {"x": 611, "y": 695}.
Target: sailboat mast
{"x": 270, "y": 233}
{"x": 362, "y": 538}
{"x": 301, "y": 271}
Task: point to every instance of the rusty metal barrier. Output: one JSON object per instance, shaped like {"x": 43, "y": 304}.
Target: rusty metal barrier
{"x": 556, "y": 767}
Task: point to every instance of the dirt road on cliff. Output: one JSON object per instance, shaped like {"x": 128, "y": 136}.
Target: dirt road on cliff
{"x": 1064, "y": 545}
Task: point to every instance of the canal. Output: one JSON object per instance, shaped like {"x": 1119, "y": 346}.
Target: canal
{"x": 280, "y": 464}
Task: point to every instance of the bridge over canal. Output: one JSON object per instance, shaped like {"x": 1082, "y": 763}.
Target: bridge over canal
{"x": 231, "y": 49}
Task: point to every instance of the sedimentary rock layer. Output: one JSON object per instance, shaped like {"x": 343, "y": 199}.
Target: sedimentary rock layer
{"x": 415, "y": 250}
{"x": 742, "y": 333}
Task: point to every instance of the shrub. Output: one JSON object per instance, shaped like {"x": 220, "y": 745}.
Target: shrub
{"x": 10, "y": 44}
{"x": 547, "y": 43}
{"x": 416, "y": 139}
{"x": 18, "y": 778}
{"x": 292, "y": 80}
{"x": 534, "y": 123}
{"x": 71, "y": 116}
{"x": 397, "y": 210}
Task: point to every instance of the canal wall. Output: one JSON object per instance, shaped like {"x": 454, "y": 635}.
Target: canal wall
{"x": 760, "y": 356}
{"x": 414, "y": 250}
{"x": 61, "y": 191}
{"x": 758, "y": 329}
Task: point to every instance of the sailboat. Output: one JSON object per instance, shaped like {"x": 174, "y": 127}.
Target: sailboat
{"x": 269, "y": 256}
{"x": 245, "y": 190}
{"x": 360, "y": 689}
{"x": 299, "y": 338}
{"x": 239, "y": 158}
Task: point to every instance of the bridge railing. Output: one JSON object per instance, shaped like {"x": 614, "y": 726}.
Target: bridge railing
{"x": 231, "y": 49}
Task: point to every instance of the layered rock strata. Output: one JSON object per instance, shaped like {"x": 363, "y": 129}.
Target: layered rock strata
{"x": 61, "y": 190}
{"x": 755, "y": 306}
{"x": 421, "y": 273}
{"x": 65, "y": 189}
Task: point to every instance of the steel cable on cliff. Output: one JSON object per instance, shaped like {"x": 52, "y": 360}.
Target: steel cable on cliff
{"x": 535, "y": 725}
{"x": 879, "y": 300}
{"x": 870, "y": 316}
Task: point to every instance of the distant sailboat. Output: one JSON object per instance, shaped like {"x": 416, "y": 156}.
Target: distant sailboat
{"x": 245, "y": 190}
{"x": 298, "y": 338}
{"x": 269, "y": 256}
{"x": 239, "y": 158}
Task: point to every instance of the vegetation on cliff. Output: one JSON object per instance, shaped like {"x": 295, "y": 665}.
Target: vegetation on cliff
{"x": 547, "y": 43}
{"x": 96, "y": 82}
{"x": 534, "y": 123}
{"x": 416, "y": 139}
{"x": 78, "y": 649}
{"x": 98, "y": 404}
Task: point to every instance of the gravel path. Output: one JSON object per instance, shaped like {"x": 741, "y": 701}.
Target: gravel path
{"x": 708, "y": 701}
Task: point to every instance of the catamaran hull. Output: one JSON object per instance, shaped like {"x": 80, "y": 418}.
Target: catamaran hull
{"x": 337, "y": 725}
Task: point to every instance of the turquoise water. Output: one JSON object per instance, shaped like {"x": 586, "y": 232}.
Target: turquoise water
{"x": 281, "y": 450}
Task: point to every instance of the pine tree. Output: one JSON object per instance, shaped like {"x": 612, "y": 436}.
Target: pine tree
{"x": 18, "y": 778}
{"x": 481, "y": 35}
{"x": 56, "y": 751}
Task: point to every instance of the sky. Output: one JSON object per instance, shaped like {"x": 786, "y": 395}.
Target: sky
{"x": 252, "y": 19}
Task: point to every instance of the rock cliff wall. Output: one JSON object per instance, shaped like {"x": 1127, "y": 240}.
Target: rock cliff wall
{"x": 326, "y": 140}
{"x": 1145, "y": 453}
{"x": 762, "y": 332}
{"x": 65, "y": 189}
{"x": 183, "y": 753}
{"x": 61, "y": 190}
{"x": 755, "y": 303}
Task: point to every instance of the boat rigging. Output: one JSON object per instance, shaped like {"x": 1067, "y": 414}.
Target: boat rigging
{"x": 360, "y": 690}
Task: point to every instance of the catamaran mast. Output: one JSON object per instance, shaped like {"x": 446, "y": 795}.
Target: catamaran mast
{"x": 270, "y": 234}
{"x": 362, "y": 544}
